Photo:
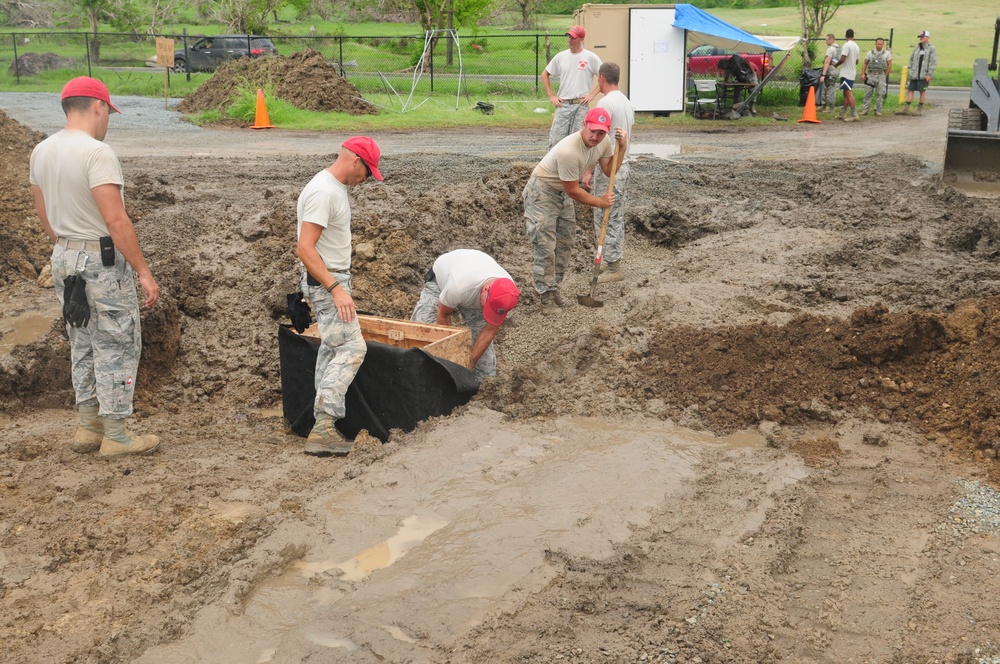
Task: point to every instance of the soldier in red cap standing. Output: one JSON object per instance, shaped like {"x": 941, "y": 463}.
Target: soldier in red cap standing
{"x": 77, "y": 184}
{"x": 548, "y": 199}
{"x": 575, "y": 69}
{"x": 324, "y": 247}
{"x": 472, "y": 283}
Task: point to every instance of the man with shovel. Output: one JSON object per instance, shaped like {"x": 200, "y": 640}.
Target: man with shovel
{"x": 473, "y": 284}
{"x": 549, "y": 195}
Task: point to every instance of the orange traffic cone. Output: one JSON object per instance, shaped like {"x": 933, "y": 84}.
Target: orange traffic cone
{"x": 261, "y": 121}
{"x": 809, "y": 114}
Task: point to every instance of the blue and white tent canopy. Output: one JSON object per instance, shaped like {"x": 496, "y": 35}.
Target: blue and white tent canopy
{"x": 703, "y": 28}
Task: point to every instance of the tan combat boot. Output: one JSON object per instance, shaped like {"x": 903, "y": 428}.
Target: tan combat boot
{"x": 90, "y": 431}
{"x": 118, "y": 440}
{"x": 612, "y": 272}
{"x": 903, "y": 111}
{"x": 548, "y": 301}
{"x": 325, "y": 440}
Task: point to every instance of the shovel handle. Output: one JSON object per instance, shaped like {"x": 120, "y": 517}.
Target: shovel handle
{"x": 607, "y": 210}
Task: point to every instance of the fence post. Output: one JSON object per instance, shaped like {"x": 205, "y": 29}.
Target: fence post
{"x": 17, "y": 69}
{"x": 86, "y": 45}
{"x": 340, "y": 45}
{"x": 431, "y": 61}
{"x": 187, "y": 58}
{"x": 538, "y": 53}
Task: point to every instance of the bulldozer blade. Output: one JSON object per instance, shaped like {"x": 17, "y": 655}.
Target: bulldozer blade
{"x": 972, "y": 162}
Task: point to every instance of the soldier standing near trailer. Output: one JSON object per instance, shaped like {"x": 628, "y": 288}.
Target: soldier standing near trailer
{"x": 575, "y": 69}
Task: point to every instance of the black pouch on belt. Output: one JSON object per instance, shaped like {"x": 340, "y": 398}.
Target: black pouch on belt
{"x": 429, "y": 277}
{"x": 76, "y": 309}
{"x": 312, "y": 281}
{"x": 107, "y": 251}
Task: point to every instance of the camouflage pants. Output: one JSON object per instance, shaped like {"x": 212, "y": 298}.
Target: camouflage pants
{"x": 105, "y": 354}
{"x": 551, "y": 225}
{"x": 876, "y": 87}
{"x": 830, "y": 87}
{"x": 341, "y": 351}
{"x": 568, "y": 118}
{"x": 614, "y": 239}
{"x": 426, "y": 312}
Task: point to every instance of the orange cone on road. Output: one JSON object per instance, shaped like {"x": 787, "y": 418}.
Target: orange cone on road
{"x": 809, "y": 114}
{"x": 261, "y": 121}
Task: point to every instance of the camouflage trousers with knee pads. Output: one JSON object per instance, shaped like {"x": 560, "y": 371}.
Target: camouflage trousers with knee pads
{"x": 105, "y": 353}
{"x": 426, "y": 312}
{"x": 341, "y": 351}
{"x": 614, "y": 239}
{"x": 551, "y": 225}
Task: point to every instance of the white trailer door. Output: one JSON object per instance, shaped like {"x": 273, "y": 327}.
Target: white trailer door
{"x": 656, "y": 60}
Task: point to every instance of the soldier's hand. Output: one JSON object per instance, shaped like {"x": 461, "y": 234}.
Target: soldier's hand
{"x": 344, "y": 303}
{"x": 608, "y": 199}
{"x": 151, "y": 288}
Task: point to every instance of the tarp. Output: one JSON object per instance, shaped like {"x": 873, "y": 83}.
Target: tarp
{"x": 395, "y": 388}
{"x": 703, "y": 28}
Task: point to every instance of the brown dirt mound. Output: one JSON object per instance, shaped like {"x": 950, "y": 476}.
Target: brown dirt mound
{"x": 303, "y": 79}
{"x": 24, "y": 249}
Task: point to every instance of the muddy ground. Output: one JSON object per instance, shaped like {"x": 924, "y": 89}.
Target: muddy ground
{"x": 775, "y": 442}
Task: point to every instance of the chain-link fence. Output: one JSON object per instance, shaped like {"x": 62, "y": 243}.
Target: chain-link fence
{"x": 495, "y": 65}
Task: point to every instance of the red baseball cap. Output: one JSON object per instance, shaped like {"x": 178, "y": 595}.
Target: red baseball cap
{"x": 598, "y": 119}
{"x": 577, "y": 32}
{"x": 367, "y": 149}
{"x": 85, "y": 86}
{"x": 500, "y": 299}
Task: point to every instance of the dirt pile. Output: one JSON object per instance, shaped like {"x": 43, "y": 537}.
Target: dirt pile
{"x": 24, "y": 249}
{"x": 303, "y": 79}
{"x": 32, "y": 64}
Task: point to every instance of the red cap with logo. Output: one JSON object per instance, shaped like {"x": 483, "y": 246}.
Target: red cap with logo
{"x": 500, "y": 299}
{"x": 85, "y": 86}
{"x": 598, "y": 119}
{"x": 577, "y": 32}
{"x": 367, "y": 149}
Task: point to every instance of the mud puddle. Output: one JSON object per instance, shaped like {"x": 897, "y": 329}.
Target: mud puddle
{"x": 425, "y": 546}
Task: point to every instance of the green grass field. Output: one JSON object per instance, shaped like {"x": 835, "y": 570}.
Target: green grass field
{"x": 961, "y": 33}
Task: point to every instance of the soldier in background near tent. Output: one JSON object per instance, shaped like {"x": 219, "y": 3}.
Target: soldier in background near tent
{"x": 473, "y": 284}
{"x": 324, "y": 247}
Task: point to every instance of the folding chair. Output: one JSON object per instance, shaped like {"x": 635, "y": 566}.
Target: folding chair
{"x": 705, "y": 87}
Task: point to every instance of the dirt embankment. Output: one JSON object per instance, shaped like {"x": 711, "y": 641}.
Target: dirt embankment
{"x": 757, "y": 295}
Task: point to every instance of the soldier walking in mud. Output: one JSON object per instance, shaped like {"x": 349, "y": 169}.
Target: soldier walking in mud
{"x": 77, "y": 184}
{"x": 324, "y": 248}
{"x": 549, "y": 194}
{"x": 875, "y": 75}
{"x": 622, "y": 115}
{"x": 473, "y": 284}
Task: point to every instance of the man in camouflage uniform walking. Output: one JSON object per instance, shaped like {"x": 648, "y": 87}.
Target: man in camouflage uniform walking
{"x": 875, "y": 75}
{"x": 831, "y": 74}
{"x": 548, "y": 200}
{"x": 324, "y": 247}
{"x": 77, "y": 184}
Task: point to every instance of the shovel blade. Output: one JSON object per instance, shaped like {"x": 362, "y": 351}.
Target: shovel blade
{"x": 587, "y": 301}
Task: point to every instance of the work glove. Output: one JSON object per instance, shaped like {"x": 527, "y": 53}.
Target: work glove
{"x": 76, "y": 309}
{"x": 299, "y": 311}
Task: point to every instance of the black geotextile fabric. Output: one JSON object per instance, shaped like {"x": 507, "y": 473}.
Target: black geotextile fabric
{"x": 395, "y": 388}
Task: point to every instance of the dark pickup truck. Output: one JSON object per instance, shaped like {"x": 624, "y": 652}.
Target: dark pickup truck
{"x": 704, "y": 61}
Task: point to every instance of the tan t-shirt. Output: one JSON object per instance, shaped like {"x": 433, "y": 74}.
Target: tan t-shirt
{"x": 66, "y": 166}
{"x": 324, "y": 202}
{"x": 569, "y": 159}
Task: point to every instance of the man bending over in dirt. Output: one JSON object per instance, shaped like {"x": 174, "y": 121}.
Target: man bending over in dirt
{"x": 475, "y": 285}
{"x": 77, "y": 184}
{"x": 324, "y": 247}
{"x": 549, "y": 195}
